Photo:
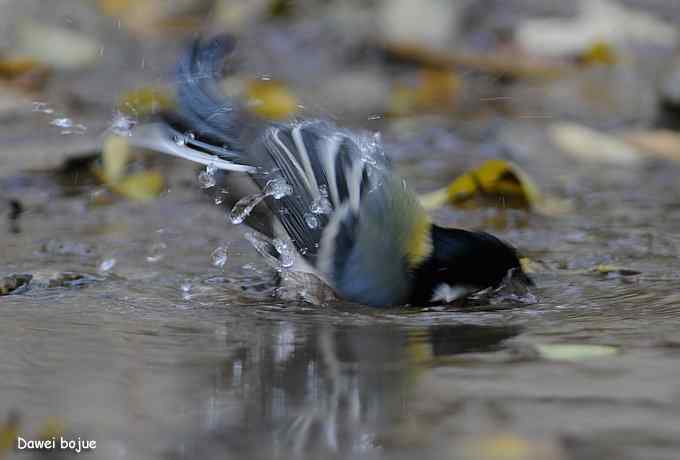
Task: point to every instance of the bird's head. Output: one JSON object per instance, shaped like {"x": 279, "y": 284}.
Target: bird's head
{"x": 461, "y": 262}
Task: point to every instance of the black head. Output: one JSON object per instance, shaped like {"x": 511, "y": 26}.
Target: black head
{"x": 465, "y": 261}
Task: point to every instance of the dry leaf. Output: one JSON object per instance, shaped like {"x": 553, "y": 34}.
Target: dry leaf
{"x": 574, "y": 352}
{"x": 584, "y": 143}
{"x": 506, "y": 446}
{"x": 270, "y": 99}
{"x": 659, "y": 143}
{"x": 435, "y": 89}
{"x": 58, "y": 47}
{"x": 145, "y": 101}
{"x": 495, "y": 183}
{"x": 143, "y": 186}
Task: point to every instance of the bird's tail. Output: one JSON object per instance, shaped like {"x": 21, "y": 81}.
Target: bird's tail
{"x": 206, "y": 126}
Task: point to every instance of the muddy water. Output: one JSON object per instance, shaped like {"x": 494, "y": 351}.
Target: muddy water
{"x": 161, "y": 355}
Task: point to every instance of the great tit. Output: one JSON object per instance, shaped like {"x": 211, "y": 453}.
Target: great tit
{"x": 353, "y": 222}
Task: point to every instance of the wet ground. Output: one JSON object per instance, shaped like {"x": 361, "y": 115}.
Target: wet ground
{"x": 129, "y": 334}
{"x": 147, "y": 347}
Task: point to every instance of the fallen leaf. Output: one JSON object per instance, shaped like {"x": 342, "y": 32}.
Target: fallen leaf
{"x": 23, "y": 72}
{"x": 599, "y": 52}
{"x": 434, "y": 89}
{"x": 143, "y": 186}
{"x": 609, "y": 269}
{"x": 574, "y": 352}
{"x": 496, "y": 183}
{"x": 584, "y": 143}
{"x": 270, "y": 99}
{"x": 501, "y": 63}
{"x": 659, "y": 143}
{"x": 9, "y": 430}
{"x": 506, "y": 446}
{"x": 599, "y": 21}
{"x": 115, "y": 157}
{"x": 145, "y": 101}
{"x": 58, "y": 47}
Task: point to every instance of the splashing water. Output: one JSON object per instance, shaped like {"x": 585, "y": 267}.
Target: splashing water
{"x": 122, "y": 125}
{"x": 276, "y": 188}
{"x": 156, "y": 252}
{"x": 244, "y": 207}
{"x": 206, "y": 179}
{"x": 286, "y": 253}
{"x": 220, "y": 196}
{"x": 186, "y": 290}
{"x": 264, "y": 248}
{"x": 219, "y": 256}
{"x": 42, "y": 107}
{"x": 182, "y": 139}
{"x": 321, "y": 204}
{"x": 106, "y": 265}
{"x": 68, "y": 126}
{"x": 311, "y": 220}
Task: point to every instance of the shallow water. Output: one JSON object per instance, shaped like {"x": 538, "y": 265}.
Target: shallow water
{"x": 164, "y": 356}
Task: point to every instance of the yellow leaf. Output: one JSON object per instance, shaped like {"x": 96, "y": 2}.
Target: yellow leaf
{"x": 574, "y": 352}
{"x": 270, "y": 99}
{"x": 145, "y": 101}
{"x": 599, "y": 52}
{"x": 434, "y": 90}
{"x": 53, "y": 427}
{"x": 9, "y": 430}
{"x": 143, "y": 186}
{"x": 115, "y": 157}
{"x": 496, "y": 183}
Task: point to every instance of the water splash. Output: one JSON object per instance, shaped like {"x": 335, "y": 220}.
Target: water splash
{"x": 106, "y": 265}
{"x": 156, "y": 252}
{"x": 220, "y": 196}
{"x": 42, "y": 107}
{"x": 123, "y": 125}
{"x": 244, "y": 207}
{"x": 206, "y": 179}
{"x": 286, "y": 252}
{"x": 311, "y": 220}
{"x": 219, "y": 256}
{"x": 321, "y": 204}
{"x": 68, "y": 126}
{"x": 186, "y": 290}
{"x": 263, "y": 246}
{"x": 276, "y": 188}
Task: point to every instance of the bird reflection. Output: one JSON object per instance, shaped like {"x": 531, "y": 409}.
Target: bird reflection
{"x": 333, "y": 389}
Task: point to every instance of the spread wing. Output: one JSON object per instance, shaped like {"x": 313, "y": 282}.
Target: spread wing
{"x": 328, "y": 170}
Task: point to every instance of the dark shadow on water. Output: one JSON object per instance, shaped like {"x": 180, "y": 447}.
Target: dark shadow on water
{"x": 309, "y": 392}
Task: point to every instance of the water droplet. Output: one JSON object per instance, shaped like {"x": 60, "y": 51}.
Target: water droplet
{"x": 206, "y": 179}
{"x": 220, "y": 196}
{"x": 264, "y": 248}
{"x": 219, "y": 256}
{"x": 244, "y": 207}
{"x": 156, "y": 252}
{"x": 186, "y": 290}
{"x": 62, "y": 123}
{"x": 286, "y": 253}
{"x": 42, "y": 107}
{"x": 311, "y": 220}
{"x": 321, "y": 204}
{"x": 179, "y": 139}
{"x": 122, "y": 125}
{"x": 277, "y": 188}
{"x": 106, "y": 265}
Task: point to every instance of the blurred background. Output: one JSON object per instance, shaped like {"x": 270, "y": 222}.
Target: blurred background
{"x": 133, "y": 313}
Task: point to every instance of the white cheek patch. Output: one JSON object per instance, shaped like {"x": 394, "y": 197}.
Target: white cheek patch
{"x": 447, "y": 293}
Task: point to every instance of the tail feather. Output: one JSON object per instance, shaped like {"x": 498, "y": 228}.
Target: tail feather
{"x": 202, "y": 105}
